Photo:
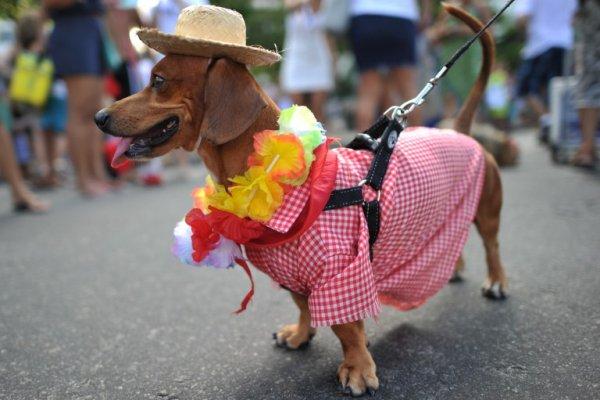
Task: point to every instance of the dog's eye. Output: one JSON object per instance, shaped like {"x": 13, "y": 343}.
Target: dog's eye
{"x": 157, "y": 81}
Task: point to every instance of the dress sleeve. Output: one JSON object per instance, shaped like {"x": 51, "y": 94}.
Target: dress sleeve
{"x": 347, "y": 292}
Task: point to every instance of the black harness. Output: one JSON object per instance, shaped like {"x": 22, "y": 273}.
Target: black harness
{"x": 388, "y": 132}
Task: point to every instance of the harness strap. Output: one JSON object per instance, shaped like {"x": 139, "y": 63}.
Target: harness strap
{"x": 381, "y": 160}
{"x": 368, "y": 139}
{"x": 344, "y": 197}
{"x": 373, "y": 217}
{"x": 388, "y": 130}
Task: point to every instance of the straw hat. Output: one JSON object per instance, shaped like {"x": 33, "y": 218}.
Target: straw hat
{"x": 209, "y": 31}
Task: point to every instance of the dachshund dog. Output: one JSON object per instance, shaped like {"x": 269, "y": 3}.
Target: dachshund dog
{"x": 215, "y": 107}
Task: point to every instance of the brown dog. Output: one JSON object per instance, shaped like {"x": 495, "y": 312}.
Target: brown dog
{"x": 216, "y": 107}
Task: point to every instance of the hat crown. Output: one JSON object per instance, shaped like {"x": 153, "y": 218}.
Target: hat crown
{"x": 212, "y": 23}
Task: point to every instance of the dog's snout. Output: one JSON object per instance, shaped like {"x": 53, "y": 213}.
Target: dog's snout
{"x": 102, "y": 118}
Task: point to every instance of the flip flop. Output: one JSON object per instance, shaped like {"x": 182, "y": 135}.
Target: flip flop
{"x": 586, "y": 162}
{"x": 22, "y": 207}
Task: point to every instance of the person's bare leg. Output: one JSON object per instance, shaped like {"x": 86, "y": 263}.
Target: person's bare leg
{"x": 318, "y": 100}
{"x": 50, "y": 142}
{"x": 51, "y": 155}
{"x": 40, "y": 152}
{"x": 77, "y": 139}
{"x": 450, "y": 106}
{"x": 588, "y": 119}
{"x": 83, "y": 137}
{"x": 370, "y": 91}
{"x": 11, "y": 172}
{"x": 404, "y": 80}
{"x": 358, "y": 370}
{"x": 98, "y": 167}
{"x": 537, "y": 105}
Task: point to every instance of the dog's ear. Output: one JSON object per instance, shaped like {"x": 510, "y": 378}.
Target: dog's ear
{"x": 232, "y": 102}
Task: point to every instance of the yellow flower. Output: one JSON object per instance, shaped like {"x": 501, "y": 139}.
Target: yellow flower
{"x": 260, "y": 194}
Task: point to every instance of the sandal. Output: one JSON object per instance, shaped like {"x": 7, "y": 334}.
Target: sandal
{"x": 36, "y": 207}
{"x": 585, "y": 161}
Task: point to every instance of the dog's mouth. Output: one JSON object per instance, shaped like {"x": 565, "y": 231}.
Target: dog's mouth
{"x": 135, "y": 147}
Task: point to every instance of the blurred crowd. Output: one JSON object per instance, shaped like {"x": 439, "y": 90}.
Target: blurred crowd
{"x": 62, "y": 62}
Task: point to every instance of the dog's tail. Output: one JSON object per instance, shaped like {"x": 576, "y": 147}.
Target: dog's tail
{"x": 466, "y": 114}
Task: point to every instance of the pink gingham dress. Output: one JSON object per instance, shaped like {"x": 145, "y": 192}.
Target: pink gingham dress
{"x": 428, "y": 201}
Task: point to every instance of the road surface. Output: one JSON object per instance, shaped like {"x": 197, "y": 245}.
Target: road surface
{"x": 93, "y": 306}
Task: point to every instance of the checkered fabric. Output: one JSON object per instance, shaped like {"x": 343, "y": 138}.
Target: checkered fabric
{"x": 428, "y": 200}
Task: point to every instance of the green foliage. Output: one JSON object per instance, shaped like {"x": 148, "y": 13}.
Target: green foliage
{"x": 12, "y": 8}
{"x": 508, "y": 47}
{"x": 264, "y": 26}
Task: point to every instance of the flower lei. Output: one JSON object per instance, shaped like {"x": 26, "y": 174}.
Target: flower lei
{"x": 222, "y": 219}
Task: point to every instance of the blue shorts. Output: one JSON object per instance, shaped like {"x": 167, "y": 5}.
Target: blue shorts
{"x": 54, "y": 118}
{"x": 535, "y": 73}
{"x": 380, "y": 41}
{"x": 76, "y": 46}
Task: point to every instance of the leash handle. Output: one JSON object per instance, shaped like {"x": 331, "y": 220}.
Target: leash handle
{"x": 400, "y": 112}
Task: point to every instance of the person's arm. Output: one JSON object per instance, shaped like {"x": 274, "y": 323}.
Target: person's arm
{"x": 426, "y": 15}
{"x": 523, "y": 11}
{"x": 523, "y": 22}
{"x": 438, "y": 30}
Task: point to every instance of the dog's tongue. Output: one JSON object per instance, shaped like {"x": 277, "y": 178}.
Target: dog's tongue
{"x": 122, "y": 146}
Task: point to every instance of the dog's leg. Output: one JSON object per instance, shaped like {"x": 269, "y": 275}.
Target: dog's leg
{"x": 488, "y": 225}
{"x": 297, "y": 336}
{"x": 358, "y": 371}
{"x": 458, "y": 269}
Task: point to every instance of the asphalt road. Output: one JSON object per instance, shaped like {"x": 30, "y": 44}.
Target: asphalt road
{"x": 93, "y": 306}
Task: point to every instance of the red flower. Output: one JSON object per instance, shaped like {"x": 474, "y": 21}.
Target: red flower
{"x": 204, "y": 238}
{"x": 240, "y": 230}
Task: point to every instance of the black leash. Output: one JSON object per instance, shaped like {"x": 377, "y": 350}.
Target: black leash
{"x": 466, "y": 46}
{"x": 386, "y": 131}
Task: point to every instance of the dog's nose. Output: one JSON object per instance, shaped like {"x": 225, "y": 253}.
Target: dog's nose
{"x": 102, "y": 118}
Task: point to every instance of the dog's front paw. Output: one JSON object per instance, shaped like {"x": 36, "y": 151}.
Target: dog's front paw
{"x": 358, "y": 375}
{"x": 294, "y": 336}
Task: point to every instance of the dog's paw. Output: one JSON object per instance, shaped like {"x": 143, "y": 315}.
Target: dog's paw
{"x": 294, "y": 336}
{"x": 358, "y": 376}
{"x": 493, "y": 290}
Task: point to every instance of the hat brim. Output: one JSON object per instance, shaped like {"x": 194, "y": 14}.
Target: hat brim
{"x": 172, "y": 44}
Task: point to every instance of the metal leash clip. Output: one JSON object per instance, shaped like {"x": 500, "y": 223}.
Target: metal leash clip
{"x": 400, "y": 113}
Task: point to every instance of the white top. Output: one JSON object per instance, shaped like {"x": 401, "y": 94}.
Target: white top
{"x": 307, "y": 64}
{"x": 167, "y": 11}
{"x": 392, "y": 8}
{"x": 549, "y": 24}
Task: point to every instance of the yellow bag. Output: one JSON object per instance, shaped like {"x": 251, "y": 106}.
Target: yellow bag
{"x": 31, "y": 80}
